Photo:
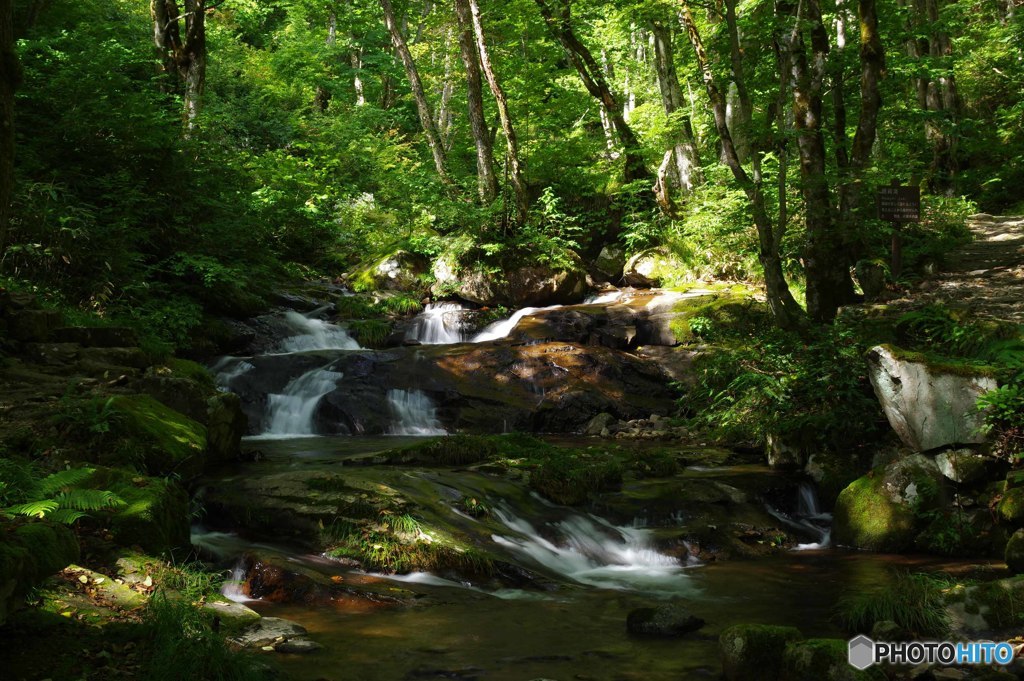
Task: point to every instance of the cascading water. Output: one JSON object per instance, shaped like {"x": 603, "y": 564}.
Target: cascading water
{"x": 413, "y": 413}
{"x": 438, "y": 324}
{"x": 501, "y": 329}
{"x": 315, "y": 334}
{"x": 291, "y": 412}
{"x": 808, "y": 518}
{"x": 596, "y": 553}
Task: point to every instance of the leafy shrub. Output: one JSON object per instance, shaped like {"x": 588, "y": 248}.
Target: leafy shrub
{"x": 60, "y": 497}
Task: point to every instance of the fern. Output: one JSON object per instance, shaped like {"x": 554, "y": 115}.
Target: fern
{"x": 59, "y": 497}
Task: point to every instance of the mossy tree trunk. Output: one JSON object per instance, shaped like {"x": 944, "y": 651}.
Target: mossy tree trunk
{"x": 487, "y": 182}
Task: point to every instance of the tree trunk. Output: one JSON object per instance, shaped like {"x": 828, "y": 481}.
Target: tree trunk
{"x": 829, "y": 284}
{"x": 943, "y": 100}
{"x": 487, "y": 182}
{"x": 9, "y": 77}
{"x": 422, "y": 105}
{"x": 515, "y": 169}
{"x": 681, "y": 167}
{"x": 183, "y": 55}
{"x": 595, "y": 83}
{"x": 741, "y": 108}
{"x": 785, "y": 310}
{"x": 445, "y": 120}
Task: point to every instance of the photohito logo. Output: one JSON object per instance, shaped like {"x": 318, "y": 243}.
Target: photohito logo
{"x": 864, "y": 652}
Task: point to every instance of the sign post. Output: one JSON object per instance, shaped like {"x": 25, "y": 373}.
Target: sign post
{"x": 897, "y": 205}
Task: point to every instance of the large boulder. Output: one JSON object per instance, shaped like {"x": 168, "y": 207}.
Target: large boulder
{"x": 610, "y": 263}
{"x": 964, "y": 465}
{"x": 887, "y": 509}
{"x": 163, "y": 440}
{"x": 524, "y": 286}
{"x": 823, "y": 659}
{"x": 651, "y": 268}
{"x": 754, "y": 651}
{"x": 929, "y": 405}
{"x": 397, "y": 271}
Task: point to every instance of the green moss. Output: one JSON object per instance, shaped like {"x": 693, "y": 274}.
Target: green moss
{"x": 754, "y": 651}
{"x": 655, "y": 463}
{"x": 823, "y": 659}
{"x": 943, "y": 365}
{"x": 572, "y": 477}
{"x": 866, "y": 518}
{"x": 456, "y": 450}
{"x": 1000, "y": 601}
{"x": 28, "y": 554}
{"x": 166, "y": 441}
{"x": 1011, "y": 506}
{"x": 184, "y": 368}
{"x": 331, "y": 483}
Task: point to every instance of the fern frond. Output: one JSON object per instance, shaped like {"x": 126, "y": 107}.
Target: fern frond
{"x": 60, "y": 480}
{"x": 88, "y": 499}
{"x": 66, "y": 516}
{"x": 39, "y": 509}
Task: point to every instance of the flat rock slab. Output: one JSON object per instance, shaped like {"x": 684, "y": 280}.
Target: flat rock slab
{"x": 278, "y": 634}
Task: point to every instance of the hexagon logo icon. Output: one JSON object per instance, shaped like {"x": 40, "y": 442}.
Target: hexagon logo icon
{"x": 862, "y": 652}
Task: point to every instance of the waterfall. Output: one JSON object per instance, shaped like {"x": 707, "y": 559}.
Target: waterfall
{"x": 604, "y": 298}
{"x": 501, "y": 329}
{"x": 592, "y": 551}
{"x": 438, "y": 324}
{"x": 315, "y": 334}
{"x": 808, "y": 518}
{"x": 413, "y": 413}
{"x": 227, "y": 369}
{"x": 291, "y": 412}
{"x": 232, "y": 589}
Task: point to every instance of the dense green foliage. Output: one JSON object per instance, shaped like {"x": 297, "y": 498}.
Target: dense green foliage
{"x": 913, "y": 601}
{"x": 307, "y": 155}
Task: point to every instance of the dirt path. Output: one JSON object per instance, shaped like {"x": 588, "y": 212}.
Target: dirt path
{"x": 987, "y": 275}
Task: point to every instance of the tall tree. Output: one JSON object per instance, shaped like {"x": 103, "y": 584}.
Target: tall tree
{"x": 785, "y": 310}
{"x": 680, "y": 169}
{"x": 487, "y": 182}
{"x": 182, "y": 49}
{"x": 9, "y": 77}
{"x": 557, "y": 15}
{"x": 515, "y": 169}
{"x": 422, "y": 105}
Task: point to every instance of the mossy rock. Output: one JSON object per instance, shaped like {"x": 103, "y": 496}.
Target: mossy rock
{"x": 166, "y": 441}
{"x": 456, "y": 450}
{"x": 1015, "y": 553}
{"x": 822, "y": 659}
{"x": 155, "y": 516}
{"x": 28, "y": 554}
{"x": 572, "y": 477}
{"x": 755, "y": 651}
{"x": 1011, "y": 506}
{"x": 887, "y": 509}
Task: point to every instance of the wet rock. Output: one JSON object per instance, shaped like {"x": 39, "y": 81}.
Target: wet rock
{"x": 887, "y": 630}
{"x": 165, "y": 441}
{"x": 754, "y": 651}
{"x": 886, "y": 509}
{"x": 225, "y": 425}
{"x": 232, "y": 616}
{"x": 398, "y": 271}
{"x": 823, "y": 659}
{"x": 782, "y": 454}
{"x": 32, "y": 326}
{"x": 963, "y": 465}
{"x": 664, "y": 621}
{"x": 929, "y": 405}
{"x": 526, "y": 286}
{"x": 280, "y": 634}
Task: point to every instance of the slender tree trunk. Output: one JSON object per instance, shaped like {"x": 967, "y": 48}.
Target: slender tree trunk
{"x": 681, "y": 167}
{"x": 487, "y": 181}
{"x": 785, "y": 310}
{"x": 422, "y": 105}
{"x": 9, "y": 77}
{"x": 741, "y": 106}
{"x": 183, "y": 54}
{"x": 515, "y": 169}
{"x": 445, "y": 120}
{"x": 942, "y": 99}
{"x": 595, "y": 83}
{"x": 322, "y": 98}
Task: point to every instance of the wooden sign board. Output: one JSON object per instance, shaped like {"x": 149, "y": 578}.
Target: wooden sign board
{"x": 899, "y": 204}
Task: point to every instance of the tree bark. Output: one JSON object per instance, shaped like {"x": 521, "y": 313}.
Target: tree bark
{"x": 829, "y": 284}
{"x": 681, "y": 167}
{"x": 742, "y": 108}
{"x": 10, "y": 73}
{"x": 422, "y": 105}
{"x": 595, "y": 83}
{"x": 487, "y": 182}
{"x": 183, "y": 54}
{"x": 515, "y": 168}
{"x": 784, "y": 308}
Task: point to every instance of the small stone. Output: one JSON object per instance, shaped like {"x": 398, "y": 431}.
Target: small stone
{"x": 662, "y": 621}
{"x": 298, "y": 646}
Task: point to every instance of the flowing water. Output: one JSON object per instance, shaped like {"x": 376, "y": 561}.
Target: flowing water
{"x": 311, "y": 333}
{"x": 413, "y": 413}
{"x": 438, "y": 324}
{"x": 291, "y": 413}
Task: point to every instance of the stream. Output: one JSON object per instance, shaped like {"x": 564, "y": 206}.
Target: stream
{"x": 589, "y": 567}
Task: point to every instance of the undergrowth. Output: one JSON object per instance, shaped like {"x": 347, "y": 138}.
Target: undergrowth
{"x": 914, "y": 601}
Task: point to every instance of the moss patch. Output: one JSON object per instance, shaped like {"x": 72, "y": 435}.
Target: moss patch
{"x": 823, "y": 659}
{"x": 1011, "y": 506}
{"x": 754, "y": 651}
{"x": 28, "y": 554}
{"x": 865, "y": 517}
{"x": 155, "y": 515}
{"x": 165, "y": 440}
